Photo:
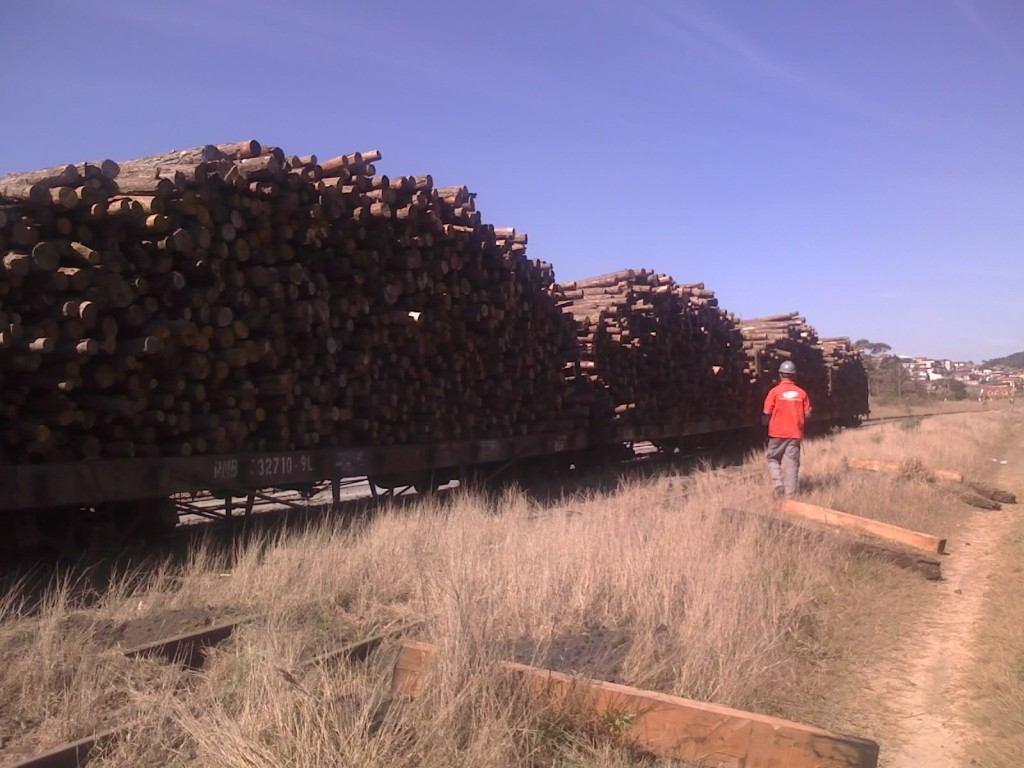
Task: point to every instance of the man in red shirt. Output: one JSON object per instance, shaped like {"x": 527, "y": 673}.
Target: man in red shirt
{"x": 786, "y": 409}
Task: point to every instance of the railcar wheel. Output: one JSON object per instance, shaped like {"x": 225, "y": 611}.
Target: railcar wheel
{"x": 155, "y": 518}
{"x": 540, "y": 469}
{"x": 100, "y": 531}
{"x": 392, "y": 482}
{"x": 19, "y": 534}
{"x": 426, "y": 487}
{"x": 111, "y": 527}
{"x": 603, "y": 455}
{"x": 667, "y": 446}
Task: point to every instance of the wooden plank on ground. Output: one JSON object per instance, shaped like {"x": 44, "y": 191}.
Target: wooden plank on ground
{"x": 670, "y": 726}
{"x": 902, "y": 557}
{"x": 987, "y": 492}
{"x": 887, "y": 531}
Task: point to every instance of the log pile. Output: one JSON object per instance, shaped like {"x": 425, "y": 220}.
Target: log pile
{"x": 233, "y": 298}
{"x": 717, "y": 348}
{"x": 847, "y": 378}
{"x": 652, "y": 351}
{"x": 771, "y": 340}
{"x": 230, "y": 297}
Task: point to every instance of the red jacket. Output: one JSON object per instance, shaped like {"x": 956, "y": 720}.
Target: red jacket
{"x": 789, "y": 406}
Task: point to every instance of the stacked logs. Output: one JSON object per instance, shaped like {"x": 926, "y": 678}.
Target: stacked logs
{"x": 716, "y": 349}
{"x": 232, "y": 298}
{"x": 484, "y": 354}
{"x": 847, "y": 377}
{"x": 771, "y": 340}
{"x": 652, "y": 351}
{"x": 625, "y": 326}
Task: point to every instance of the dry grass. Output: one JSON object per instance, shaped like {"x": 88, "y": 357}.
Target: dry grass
{"x": 997, "y": 680}
{"x": 720, "y": 607}
{"x": 958, "y": 442}
{"x": 884, "y": 410}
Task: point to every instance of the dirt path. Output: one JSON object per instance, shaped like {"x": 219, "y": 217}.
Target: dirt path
{"x": 925, "y": 685}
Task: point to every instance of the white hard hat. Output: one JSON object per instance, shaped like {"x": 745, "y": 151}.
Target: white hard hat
{"x": 787, "y": 367}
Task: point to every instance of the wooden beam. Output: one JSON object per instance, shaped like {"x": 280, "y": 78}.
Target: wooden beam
{"x": 981, "y": 489}
{"x": 928, "y": 567}
{"x": 948, "y": 474}
{"x": 902, "y": 557}
{"x": 872, "y": 465}
{"x": 887, "y": 531}
{"x": 670, "y": 726}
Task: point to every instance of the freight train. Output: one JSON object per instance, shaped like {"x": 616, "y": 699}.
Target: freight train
{"x": 230, "y": 320}
{"x": 103, "y": 502}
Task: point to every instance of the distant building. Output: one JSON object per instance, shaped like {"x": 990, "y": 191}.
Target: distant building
{"x": 982, "y": 382}
{"x": 995, "y": 391}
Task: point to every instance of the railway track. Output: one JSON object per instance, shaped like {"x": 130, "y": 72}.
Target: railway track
{"x": 188, "y": 649}
{"x": 206, "y": 506}
{"x": 76, "y": 505}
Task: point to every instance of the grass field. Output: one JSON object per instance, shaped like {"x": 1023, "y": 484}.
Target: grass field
{"x": 996, "y": 693}
{"x": 889, "y": 409}
{"x": 650, "y": 584}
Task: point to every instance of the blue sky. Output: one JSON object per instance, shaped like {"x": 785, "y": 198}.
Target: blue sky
{"x": 859, "y": 161}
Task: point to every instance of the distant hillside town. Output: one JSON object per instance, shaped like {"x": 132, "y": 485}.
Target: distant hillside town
{"x": 898, "y": 377}
{"x": 981, "y": 381}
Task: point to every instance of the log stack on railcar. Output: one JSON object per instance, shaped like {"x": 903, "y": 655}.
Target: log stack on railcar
{"x": 630, "y": 332}
{"x": 654, "y": 351}
{"x": 230, "y": 318}
{"x": 233, "y": 298}
{"x": 717, "y": 349}
{"x": 847, "y": 378}
{"x": 771, "y": 340}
